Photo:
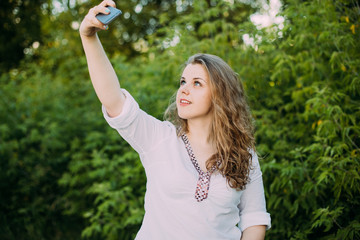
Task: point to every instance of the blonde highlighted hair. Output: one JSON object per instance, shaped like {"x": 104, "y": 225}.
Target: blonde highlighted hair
{"x": 232, "y": 126}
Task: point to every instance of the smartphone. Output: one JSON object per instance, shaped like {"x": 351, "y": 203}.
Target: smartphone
{"x": 108, "y": 18}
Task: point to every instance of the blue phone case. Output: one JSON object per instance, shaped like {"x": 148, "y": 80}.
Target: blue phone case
{"x": 108, "y": 18}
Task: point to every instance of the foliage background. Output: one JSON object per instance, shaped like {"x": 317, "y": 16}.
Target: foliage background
{"x": 64, "y": 174}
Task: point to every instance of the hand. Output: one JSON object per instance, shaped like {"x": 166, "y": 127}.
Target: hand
{"x": 90, "y": 24}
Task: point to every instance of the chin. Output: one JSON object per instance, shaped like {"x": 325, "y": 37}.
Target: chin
{"x": 183, "y": 116}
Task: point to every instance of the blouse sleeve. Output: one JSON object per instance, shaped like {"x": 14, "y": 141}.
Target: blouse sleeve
{"x": 252, "y": 205}
{"x": 140, "y": 130}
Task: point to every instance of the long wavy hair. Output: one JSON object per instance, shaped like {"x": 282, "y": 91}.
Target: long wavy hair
{"x": 232, "y": 129}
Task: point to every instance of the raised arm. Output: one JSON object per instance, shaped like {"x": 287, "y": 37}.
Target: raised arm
{"x": 102, "y": 74}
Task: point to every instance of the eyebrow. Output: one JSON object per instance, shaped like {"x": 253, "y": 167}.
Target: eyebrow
{"x": 196, "y": 78}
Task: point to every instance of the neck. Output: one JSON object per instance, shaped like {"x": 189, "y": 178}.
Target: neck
{"x": 199, "y": 131}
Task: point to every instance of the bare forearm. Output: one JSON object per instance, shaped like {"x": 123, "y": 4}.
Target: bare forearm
{"x": 103, "y": 76}
{"x": 254, "y": 233}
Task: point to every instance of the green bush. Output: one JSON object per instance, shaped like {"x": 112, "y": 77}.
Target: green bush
{"x": 65, "y": 174}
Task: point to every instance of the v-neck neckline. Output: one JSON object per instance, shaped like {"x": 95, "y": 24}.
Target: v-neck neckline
{"x": 193, "y": 158}
{"x": 203, "y": 183}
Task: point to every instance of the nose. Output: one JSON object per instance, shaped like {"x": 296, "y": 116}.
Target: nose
{"x": 184, "y": 89}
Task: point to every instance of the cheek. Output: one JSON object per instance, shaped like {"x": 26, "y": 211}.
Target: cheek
{"x": 207, "y": 100}
{"x": 177, "y": 96}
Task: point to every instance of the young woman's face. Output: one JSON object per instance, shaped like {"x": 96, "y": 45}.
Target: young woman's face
{"x": 193, "y": 99}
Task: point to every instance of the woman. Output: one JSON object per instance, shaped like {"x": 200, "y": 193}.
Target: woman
{"x": 203, "y": 176}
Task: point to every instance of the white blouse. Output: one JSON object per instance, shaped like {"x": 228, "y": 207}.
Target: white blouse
{"x": 171, "y": 210}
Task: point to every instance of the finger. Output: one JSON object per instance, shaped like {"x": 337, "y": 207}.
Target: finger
{"x": 92, "y": 17}
{"x": 98, "y": 9}
{"x": 96, "y": 23}
{"x": 92, "y": 20}
{"x": 107, "y": 3}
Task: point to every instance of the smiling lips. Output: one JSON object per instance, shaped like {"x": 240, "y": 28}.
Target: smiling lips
{"x": 184, "y": 102}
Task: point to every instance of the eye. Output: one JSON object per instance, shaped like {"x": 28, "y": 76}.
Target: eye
{"x": 197, "y": 83}
{"x": 182, "y": 82}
